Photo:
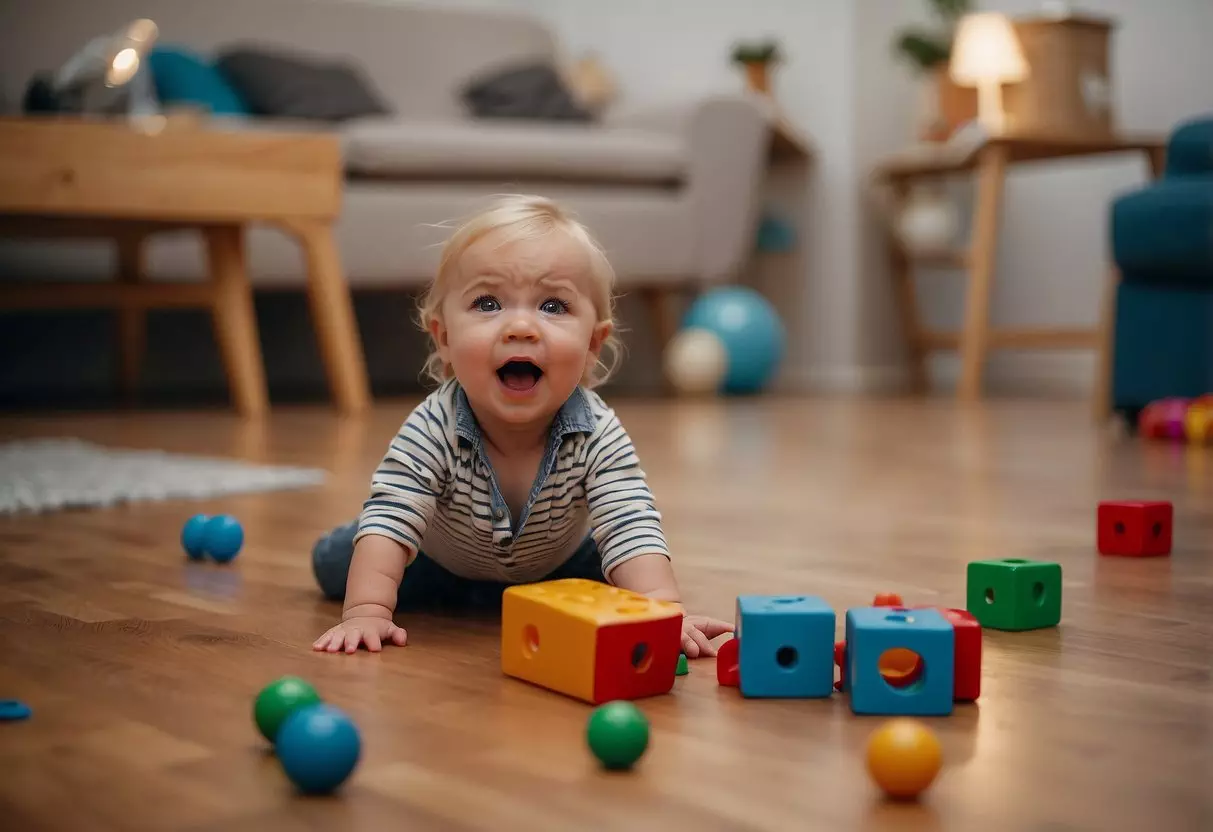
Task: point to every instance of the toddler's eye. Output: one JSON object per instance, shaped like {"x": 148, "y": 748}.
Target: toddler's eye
{"x": 486, "y": 303}
{"x": 554, "y": 306}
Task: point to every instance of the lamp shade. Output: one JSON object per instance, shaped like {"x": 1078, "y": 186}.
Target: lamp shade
{"x": 986, "y": 49}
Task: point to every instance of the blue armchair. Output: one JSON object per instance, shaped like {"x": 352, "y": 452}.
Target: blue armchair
{"x": 1162, "y": 245}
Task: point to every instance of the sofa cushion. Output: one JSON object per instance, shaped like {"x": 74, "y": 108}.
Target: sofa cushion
{"x": 1164, "y": 232}
{"x": 532, "y": 90}
{"x": 399, "y": 148}
{"x": 182, "y": 76}
{"x": 282, "y": 83}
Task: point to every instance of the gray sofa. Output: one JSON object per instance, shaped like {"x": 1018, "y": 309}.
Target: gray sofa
{"x": 672, "y": 191}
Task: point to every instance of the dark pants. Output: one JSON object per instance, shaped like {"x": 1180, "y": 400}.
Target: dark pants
{"x": 427, "y": 585}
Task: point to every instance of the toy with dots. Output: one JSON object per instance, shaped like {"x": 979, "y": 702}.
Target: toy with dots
{"x": 590, "y": 641}
{"x": 317, "y": 744}
{"x": 220, "y": 537}
{"x": 903, "y": 758}
{"x": 1134, "y": 528}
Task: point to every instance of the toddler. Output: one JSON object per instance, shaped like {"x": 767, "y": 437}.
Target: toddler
{"x": 513, "y": 470}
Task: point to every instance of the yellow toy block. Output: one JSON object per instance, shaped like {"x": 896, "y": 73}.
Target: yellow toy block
{"x": 588, "y": 640}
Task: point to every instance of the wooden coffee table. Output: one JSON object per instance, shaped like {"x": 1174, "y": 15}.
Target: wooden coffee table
{"x": 127, "y": 181}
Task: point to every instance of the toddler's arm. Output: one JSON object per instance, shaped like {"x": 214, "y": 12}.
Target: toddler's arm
{"x": 627, "y": 529}
{"x": 404, "y": 491}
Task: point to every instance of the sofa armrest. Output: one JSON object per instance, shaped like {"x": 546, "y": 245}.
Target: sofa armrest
{"x": 728, "y": 138}
{"x": 1190, "y": 148}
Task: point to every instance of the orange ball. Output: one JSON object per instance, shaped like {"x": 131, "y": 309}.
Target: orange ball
{"x": 904, "y": 756}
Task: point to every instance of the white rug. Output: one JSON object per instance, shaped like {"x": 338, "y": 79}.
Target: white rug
{"x": 47, "y": 474}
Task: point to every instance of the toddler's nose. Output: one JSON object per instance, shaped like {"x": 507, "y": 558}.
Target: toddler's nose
{"x": 520, "y": 328}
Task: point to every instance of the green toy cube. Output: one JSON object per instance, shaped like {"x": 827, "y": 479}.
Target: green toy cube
{"x": 1015, "y": 594}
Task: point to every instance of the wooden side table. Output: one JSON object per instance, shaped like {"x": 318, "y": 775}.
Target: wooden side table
{"x": 976, "y": 339}
{"x": 73, "y": 177}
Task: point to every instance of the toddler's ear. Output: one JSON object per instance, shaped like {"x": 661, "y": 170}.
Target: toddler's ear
{"x": 602, "y": 331}
{"x": 438, "y": 332}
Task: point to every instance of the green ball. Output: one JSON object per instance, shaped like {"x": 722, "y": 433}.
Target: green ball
{"x": 618, "y": 734}
{"x": 682, "y": 669}
{"x": 278, "y": 699}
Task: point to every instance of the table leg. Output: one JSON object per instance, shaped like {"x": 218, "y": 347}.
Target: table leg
{"x": 902, "y": 272}
{"x": 235, "y": 319}
{"x": 973, "y": 340}
{"x": 132, "y": 320}
{"x": 333, "y": 316}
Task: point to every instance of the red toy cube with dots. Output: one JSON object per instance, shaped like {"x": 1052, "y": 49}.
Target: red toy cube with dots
{"x": 1135, "y": 529}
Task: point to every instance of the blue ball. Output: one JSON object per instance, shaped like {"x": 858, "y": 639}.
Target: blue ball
{"x": 318, "y": 746}
{"x": 193, "y": 536}
{"x": 751, "y": 331}
{"x": 224, "y": 537}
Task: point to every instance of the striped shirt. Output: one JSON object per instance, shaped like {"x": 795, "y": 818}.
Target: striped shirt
{"x": 436, "y": 492}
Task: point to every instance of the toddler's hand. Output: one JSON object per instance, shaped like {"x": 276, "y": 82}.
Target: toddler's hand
{"x": 697, "y": 632}
{"x": 372, "y": 631}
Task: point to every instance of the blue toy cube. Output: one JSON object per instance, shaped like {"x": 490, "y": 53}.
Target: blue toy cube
{"x": 873, "y": 630}
{"x": 786, "y": 646}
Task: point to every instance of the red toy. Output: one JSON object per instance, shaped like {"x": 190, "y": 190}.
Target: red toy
{"x": 840, "y": 660}
{"x": 967, "y": 668}
{"x": 1135, "y": 529}
{"x": 728, "y": 671}
{"x": 887, "y": 599}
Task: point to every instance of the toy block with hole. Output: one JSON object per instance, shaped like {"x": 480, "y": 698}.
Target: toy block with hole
{"x": 967, "y": 672}
{"x": 900, "y": 668}
{"x": 1134, "y": 529}
{"x": 1014, "y": 593}
{"x": 785, "y": 646}
{"x": 919, "y": 642}
{"x": 590, "y": 641}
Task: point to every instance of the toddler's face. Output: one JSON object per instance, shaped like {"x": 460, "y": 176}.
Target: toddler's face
{"x": 518, "y": 325}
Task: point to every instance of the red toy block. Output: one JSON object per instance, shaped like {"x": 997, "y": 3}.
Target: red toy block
{"x": 728, "y": 669}
{"x": 966, "y": 671}
{"x": 840, "y": 660}
{"x": 887, "y": 599}
{"x": 647, "y": 677}
{"x": 1135, "y": 529}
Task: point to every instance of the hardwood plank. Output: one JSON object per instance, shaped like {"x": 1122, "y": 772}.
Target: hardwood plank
{"x": 141, "y": 667}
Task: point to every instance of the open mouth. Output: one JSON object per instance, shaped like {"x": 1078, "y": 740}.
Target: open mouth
{"x": 519, "y": 374}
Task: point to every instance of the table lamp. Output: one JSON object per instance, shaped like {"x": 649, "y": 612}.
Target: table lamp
{"x": 986, "y": 54}
{"x": 103, "y": 74}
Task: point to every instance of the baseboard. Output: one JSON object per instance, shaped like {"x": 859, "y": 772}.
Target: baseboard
{"x": 872, "y": 380}
{"x": 1056, "y": 374}
{"x": 1053, "y": 374}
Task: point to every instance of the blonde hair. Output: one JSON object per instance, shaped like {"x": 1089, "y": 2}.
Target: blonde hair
{"x": 523, "y": 216}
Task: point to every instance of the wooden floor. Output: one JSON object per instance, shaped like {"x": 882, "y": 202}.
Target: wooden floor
{"x": 141, "y": 668}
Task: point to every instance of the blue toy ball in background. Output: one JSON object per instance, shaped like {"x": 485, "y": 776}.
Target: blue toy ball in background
{"x": 224, "y": 537}
{"x": 318, "y": 747}
{"x": 751, "y": 331}
{"x": 193, "y": 536}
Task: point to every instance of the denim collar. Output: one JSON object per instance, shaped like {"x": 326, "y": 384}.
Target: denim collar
{"x": 574, "y": 416}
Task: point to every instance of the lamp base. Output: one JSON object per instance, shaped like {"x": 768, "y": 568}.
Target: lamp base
{"x": 989, "y": 107}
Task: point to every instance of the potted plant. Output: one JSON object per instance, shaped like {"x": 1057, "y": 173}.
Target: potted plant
{"x": 928, "y": 52}
{"x": 757, "y": 58}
